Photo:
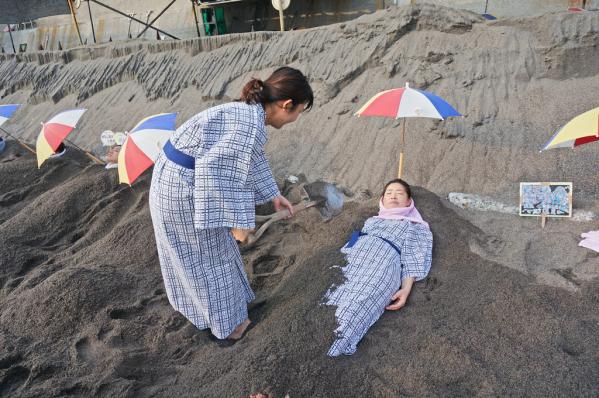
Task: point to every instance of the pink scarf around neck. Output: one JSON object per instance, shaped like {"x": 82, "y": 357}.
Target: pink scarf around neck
{"x": 409, "y": 213}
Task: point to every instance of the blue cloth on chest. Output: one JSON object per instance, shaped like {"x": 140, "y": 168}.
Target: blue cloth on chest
{"x": 356, "y": 235}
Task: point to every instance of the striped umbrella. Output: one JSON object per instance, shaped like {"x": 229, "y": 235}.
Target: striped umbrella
{"x": 54, "y": 132}
{"x": 582, "y": 129}
{"x": 143, "y": 144}
{"x": 407, "y": 102}
{"x": 6, "y": 112}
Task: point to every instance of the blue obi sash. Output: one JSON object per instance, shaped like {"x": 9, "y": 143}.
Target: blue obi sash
{"x": 176, "y": 156}
{"x": 356, "y": 235}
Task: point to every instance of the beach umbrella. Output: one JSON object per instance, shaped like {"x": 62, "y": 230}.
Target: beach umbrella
{"x": 143, "y": 144}
{"x": 6, "y": 112}
{"x": 488, "y": 16}
{"x": 54, "y": 132}
{"x": 582, "y": 129}
{"x": 407, "y": 102}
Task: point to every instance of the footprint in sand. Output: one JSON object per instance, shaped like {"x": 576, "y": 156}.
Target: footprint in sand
{"x": 90, "y": 351}
{"x": 264, "y": 265}
{"x": 487, "y": 247}
{"x": 156, "y": 302}
{"x": 430, "y": 284}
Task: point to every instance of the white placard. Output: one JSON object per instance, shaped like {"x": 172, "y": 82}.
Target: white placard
{"x": 119, "y": 138}
{"x": 107, "y": 138}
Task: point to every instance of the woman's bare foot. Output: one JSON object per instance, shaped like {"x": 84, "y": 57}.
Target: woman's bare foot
{"x": 238, "y": 332}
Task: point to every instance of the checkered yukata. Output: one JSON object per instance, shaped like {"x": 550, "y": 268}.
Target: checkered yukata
{"x": 193, "y": 210}
{"x": 374, "y": 272}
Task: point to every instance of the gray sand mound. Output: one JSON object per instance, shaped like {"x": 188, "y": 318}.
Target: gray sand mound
{"x": 504, "y": 311}
{"x": 83, "y": 310}
{"x": 515, "y": 80}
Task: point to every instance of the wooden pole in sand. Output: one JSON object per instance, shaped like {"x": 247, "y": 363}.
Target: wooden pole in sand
{"x": 281, "y": 16}
{"x": 403, "y": 141}
{"x": 75, "y": 20}
{"x": 19, "y": 141}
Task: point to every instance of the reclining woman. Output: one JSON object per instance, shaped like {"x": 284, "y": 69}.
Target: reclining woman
{"x": 393, "y": 250}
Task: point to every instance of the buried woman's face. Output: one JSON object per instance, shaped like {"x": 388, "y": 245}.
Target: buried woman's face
{"x": 395, "y": 196}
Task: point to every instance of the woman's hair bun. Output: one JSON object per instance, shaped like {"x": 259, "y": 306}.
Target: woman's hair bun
{"x": 283, "y": 84}
{"x": 252, "y": 92}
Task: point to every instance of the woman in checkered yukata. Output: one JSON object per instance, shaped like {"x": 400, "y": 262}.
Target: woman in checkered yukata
{"x": 384, "y": 259}
{"x": 205, "y": 186}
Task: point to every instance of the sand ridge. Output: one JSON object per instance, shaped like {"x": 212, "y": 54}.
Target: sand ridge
{"x": 515, "y": 80}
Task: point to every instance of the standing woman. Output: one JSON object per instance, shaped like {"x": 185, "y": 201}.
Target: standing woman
{"x": 205, "y": 184}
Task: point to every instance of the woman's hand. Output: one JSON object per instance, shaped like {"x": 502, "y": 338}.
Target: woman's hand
{"x": 281, "y": 203}
{"x": 399, "y": 299}
{"x": 241, "y": 235}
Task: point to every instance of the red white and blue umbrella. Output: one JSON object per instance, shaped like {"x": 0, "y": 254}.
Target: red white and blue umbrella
{"x": 54, "y": 132}
{"x": 407, "y": 102}
{"x": 6, "y": 112}
{"x": 143, "y": 144}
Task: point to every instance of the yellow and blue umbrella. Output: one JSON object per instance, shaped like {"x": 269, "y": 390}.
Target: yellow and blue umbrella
{"x": 581, "y": 130}
{"x": 143, "y": 144}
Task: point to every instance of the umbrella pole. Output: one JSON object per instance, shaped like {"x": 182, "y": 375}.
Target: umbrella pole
{"x": 89, "y": 155}
{"x": 403, "y": 140}
{"x": 19, "y": 141}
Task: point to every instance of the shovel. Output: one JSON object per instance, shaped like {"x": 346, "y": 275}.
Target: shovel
{"x": 327, "y": 198}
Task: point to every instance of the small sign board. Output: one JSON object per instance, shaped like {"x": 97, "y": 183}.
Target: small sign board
{"x": 107, "y": 138}
{"x": 119, "y": 138}
{"x": 110, "y": 138}
{"x": 546, "y": 199}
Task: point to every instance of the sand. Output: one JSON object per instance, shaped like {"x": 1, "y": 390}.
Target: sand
{"x": 84, "y": 312}
{"x": 508, "y": 308}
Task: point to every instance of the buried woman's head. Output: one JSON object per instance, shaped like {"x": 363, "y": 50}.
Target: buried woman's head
{"x": 396, "y": 194}
{"x": 284, "y": 95}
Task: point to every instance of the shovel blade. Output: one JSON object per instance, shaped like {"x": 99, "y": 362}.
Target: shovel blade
{"x": 329, "y": 196}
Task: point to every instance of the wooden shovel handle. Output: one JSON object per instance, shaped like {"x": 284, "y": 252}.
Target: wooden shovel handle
{"x": 93, "y": 158}
{"x": 280, "y": 215}
{"x": 26, "y": 146}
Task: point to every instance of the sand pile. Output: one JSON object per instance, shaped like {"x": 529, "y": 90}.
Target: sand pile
{"x": 516, "y": 80}
{"x": 83, "y": 310}
{"x": 507, "y": 308}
